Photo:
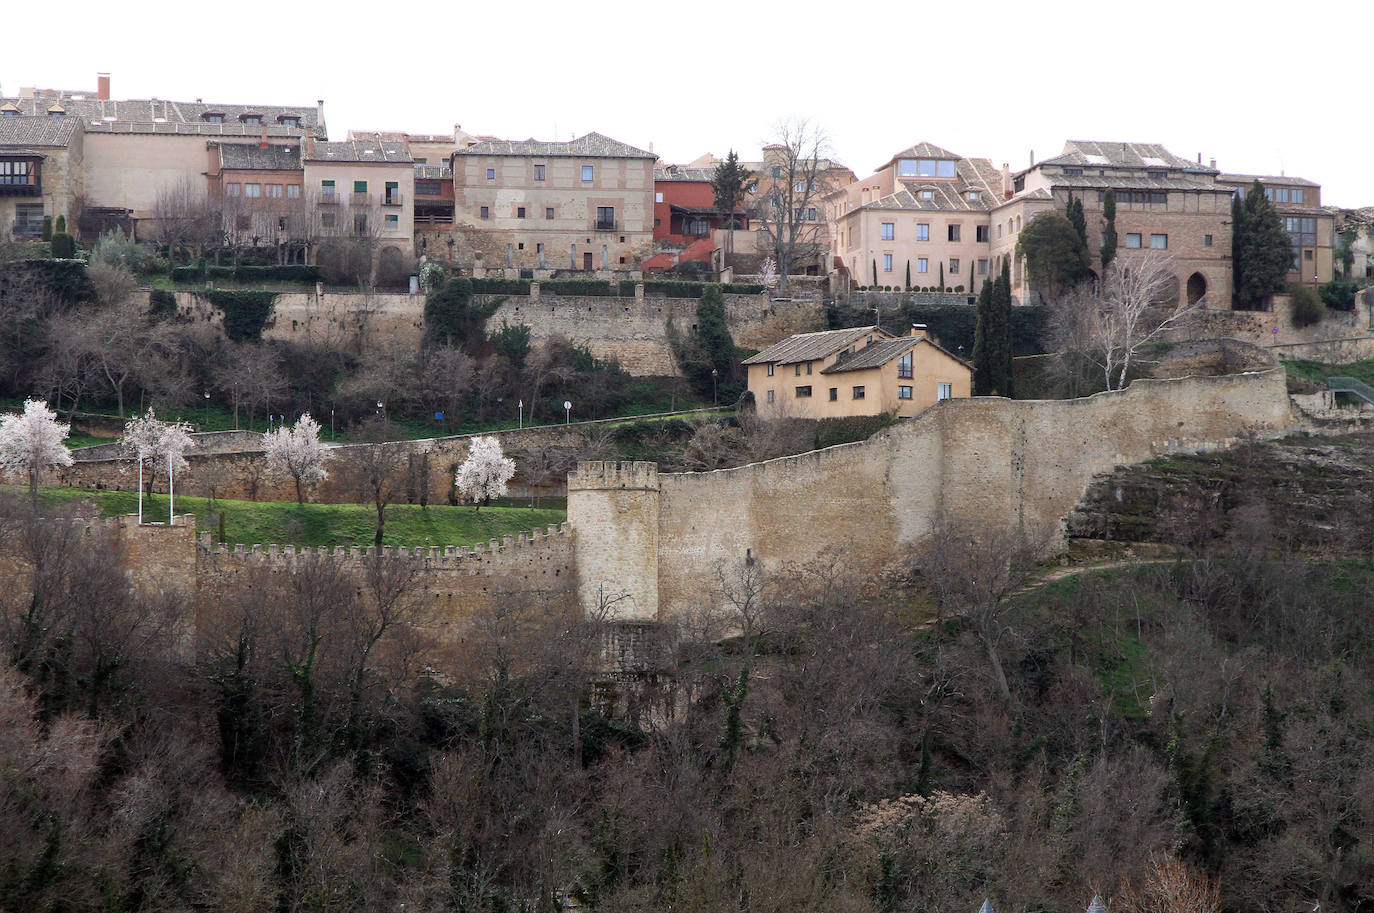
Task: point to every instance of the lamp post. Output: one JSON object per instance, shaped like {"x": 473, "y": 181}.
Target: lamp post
{"x": 567, "y": 412}
{"x": 715, "y": 400}
{"x": 521, "y": 420}
{"x": 171, "y": 494}
{"x": 331, "y": 423}
{"x": 381, "y": 413}
{"x": 207, "y": 410}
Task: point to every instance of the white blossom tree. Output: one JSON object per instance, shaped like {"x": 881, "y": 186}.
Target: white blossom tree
{"x": 158, "y": 443}
{"x": 485, "y": 472}
{"x": 31, "y": 441}
{"x": 768, "y": 274}
{"x": 297, "y": 452}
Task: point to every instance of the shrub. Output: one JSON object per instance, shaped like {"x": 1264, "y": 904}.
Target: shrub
{"x": 1339, "y": 294}
{"x": 245, "y": 311}
{"x": 47, "y": 229}
{"x": 1307, "y": 307}
{"x": 60, "y": 224}
{"x": 592, "y": 288}
{"x": 668, "y": 289}
{"x": 63, "y": 246}
{"x": 162, "y": 304}
{"x": 500, "y": 286}
{"x": 117, "y": 250}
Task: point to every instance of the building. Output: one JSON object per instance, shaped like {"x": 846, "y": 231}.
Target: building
{"x": 40, "y": 173}
{"x": 1311, "y": 227}
{"x": 136, "y": 151}
{"x": 858, "y": 371}
{"x": 922, "y": 215}
{"x": 364, "y": 192}
{"x": 785, "y": 180}
{"x": 586, "y": 204}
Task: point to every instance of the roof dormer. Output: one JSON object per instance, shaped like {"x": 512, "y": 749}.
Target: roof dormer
{"x": 212, "y": 117}
{"x": 56, "y": 110}
{"x": 250, "y": 119}
{"x": 289, "y": 120}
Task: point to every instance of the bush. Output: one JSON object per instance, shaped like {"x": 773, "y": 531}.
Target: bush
{"x": 245, "y": 311}
{"x": 248, "y": 275}
{"x": 46, "y": 234}
{"x": 60, "y": 224}
{"x": 500, "y": 286}
{"x": 63, "y": 246}
{"x": 117, "y": 250}
{"x": 162, "y": 304}
{"x": 1307, "y": 307}
{"x": 1339, "y": 294}
{"x": 592, "y": 288}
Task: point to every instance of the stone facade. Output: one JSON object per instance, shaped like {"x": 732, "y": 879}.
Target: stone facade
{"x": 616, "y": 507}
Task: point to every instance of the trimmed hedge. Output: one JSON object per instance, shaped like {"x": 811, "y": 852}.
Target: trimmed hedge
{"x": 245, "y": 311}
{"x": 289, "y": 272}
{"x": 500, "y": 286}
{"x": 592, "y": 288}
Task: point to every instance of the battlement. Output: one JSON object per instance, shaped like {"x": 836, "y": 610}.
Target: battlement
{"x": 608, "y": 474}
{"x": 436, "y": 556}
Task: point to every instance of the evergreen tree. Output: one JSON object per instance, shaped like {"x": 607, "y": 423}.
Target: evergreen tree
{"x": 710, "y": 347}
{"x": 982, "y": 372}
{"x": 1056, "y": 259}
{"x": 728, "y": 182}
{"x": 908, "y": 275}
{"x": 1263, "y": 250}
{"x": 875, "y": 273}
{"x": 1077, "y": 220}
{"x": 1002, "y": 356}
{"x": 1237, "y": 236}
{"x": 942, "y": 282}
{"x": 1109, "y": 231}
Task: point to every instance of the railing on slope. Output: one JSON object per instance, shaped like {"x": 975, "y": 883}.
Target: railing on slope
{"x": 1352, "y": 386}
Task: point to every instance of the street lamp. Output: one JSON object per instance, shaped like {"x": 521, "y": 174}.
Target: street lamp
{"x": 381, "y": 413}
{"x": 567, "y": 411}
{"x": 207, "y": 410}
{"x": 714, "y": 398}
{"x": 521, "y": 422}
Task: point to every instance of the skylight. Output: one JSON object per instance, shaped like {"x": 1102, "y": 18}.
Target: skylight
{"x": 1096, "y": 159}
{"x": 1154, "y": 161}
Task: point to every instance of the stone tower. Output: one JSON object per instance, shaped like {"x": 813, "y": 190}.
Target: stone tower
{"x": 613, "y": 511}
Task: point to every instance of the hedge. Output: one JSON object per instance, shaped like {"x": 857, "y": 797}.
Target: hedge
{"x": 952, "y": 324}
{"x": 592, "y": 288}
{"x": 288, "y": 272}
{"x": 245, "y": 311}
{"x": 66, "y": 280}
{"x": 162, "y": 304}
{"x": 500, "y": 286}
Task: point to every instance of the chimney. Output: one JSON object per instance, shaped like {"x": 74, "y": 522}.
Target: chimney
{"x": 1214, "y": 164}
{"x": 319, "y": 111}
{"x": 263, "y": 142}
{"x": 1006, "y": 181}
{"x": 918, "y": 330}
{"x": 1032, "y": 157}
{"x": 102, "y": 86}
{"x": 310, "y": 145}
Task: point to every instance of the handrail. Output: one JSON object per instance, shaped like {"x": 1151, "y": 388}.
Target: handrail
{"x": 1352, "y": 386}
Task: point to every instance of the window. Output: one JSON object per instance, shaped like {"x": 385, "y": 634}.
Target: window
{"x": 1297, "y": 194}
{"x": 887, "y": 263}
{"x": 1133, "y": 240}
{"x": 797, "y": 366}
{"x": 803, "y": 392}
{"x": 588, "y": 174}
{"x": 889, "y": 231}
{"x": 980, "y": 233}
{"x": 799, "y": 187}
{"x": 944, "y": 391}
{"x": 231, "y": 190}
{"x": 360, "y": 186}
{"x": 491, "y": 174}
{"x": 834, "y": 394}
{"x": 327, "y": 189}
{"x": 776, "y": 172}
{"x": 973, "y": 196}
{"x": 927, "y": 194}
{"x": 810, "y": 213}
{"x": 359, "y": 223}
{"x": 903, "y": 391}
{"x": 605, "y": 218}
{"x": 770, "y": 395}
{"x": 922, "y": 265}
{"x": 253, "y": 119}
{"x": 922, "y": 232}
{"x": 486, "y": 212}
{"x": 393, "y": 221}
{"x": 771, "y": 367}
{"x": 954, "y": 232}
{"x": 1206, "y": 240}
{"x": 286, "y": 121}
{"x": 859, "y": 391}
{"x": 326, "y": 220}
{"x": 954, "y": 266}
{"x": 14, "y": 172}
{"x": 293, "y": 191}
{"x": 212, "y": 118}
{"x": 982, "y": 267}
{"x": 428, "y": 188}
{"x": 904, "y": 365}
{"x": 808, "y": 367}
{"x": 658, "y": 198}
{"x": 1302, "y": 231}
{"x": 548, "y": 213}
{"x": 519, "y": 212}
{"x": 274, "y": 191}
{"x": 539, "y": 172}
{"x": 1159, "y": 242}
{"x": 252, "y": 190}
{"x": 1307, "y": 255}
{"x": 1073, "y": 172}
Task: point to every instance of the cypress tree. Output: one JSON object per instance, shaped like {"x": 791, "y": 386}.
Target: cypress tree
{"x": 942, "y": 282}
{"x": 875, "y": 273}
{"x": 1109, "y": 233}
{"x": 1080, "y": 227}
{"x": 1002, "y": 355}
{"x": 46, "y": 234}
{"x": 60, "y": 225}
{"x": 1237, "y": 238}
{"x": 1266, "y": 250}
{"x": 982, "y": 368}
{"x": 908, "y": 275}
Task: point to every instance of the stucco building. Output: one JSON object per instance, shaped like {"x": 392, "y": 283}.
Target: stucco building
{"x": 1311, "y": 227}
{"x": 40, "y": 172}
{"x": 857, "y": 371}
{"x": 585, "y": 204}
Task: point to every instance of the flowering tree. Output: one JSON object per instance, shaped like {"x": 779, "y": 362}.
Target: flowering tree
{"x": 768, "y": 274}
{"x": 157, "y": 443}
{"x": 31, "y": 441}
{"x": 297, "y": 452}
{"x": 485, "y": 472}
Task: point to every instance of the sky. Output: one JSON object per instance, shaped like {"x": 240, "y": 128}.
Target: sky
{"x": 1260, "y": 87}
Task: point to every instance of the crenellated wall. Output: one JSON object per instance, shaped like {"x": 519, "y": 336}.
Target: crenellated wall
{"x": 615, "y": 509}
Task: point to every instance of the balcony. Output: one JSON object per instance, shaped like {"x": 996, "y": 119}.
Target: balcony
{"x": 393, "y": 198}
{"x": 329, "y": 199}
{"x": 361, "y": 198}
{"x": 14, "y": 185}
{"x": 605, "y": 225}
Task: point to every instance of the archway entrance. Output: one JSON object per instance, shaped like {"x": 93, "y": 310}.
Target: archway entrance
{"x": 1197, "y": 288}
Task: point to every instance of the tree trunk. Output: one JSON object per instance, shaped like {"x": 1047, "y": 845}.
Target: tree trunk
{"x": 381, "y": 521}
{"x": 300, "y": 500}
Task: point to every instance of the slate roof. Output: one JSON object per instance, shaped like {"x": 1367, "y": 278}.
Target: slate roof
{"x": 253, "y": 157}
{"x": 593, "y": 145}
{"x": 880, "y": 353}
{"x": 809, "y": 346}
{"x": 359, "y": 151}
{"x": 1095, "y": 153}
{"x": 971, "y": 174}
{"x": 676, "y": 173}
{"x": 157, "y": 115}
{"x": 17, "y": 130}
{"x": 1102, "y": 182}
{"x": 1265, "y": 179}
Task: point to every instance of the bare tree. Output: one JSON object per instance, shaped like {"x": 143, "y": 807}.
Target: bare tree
{"x": 184, "y": 219}
{"x": 249, "y": 373}
{"x": 789, "y": 194}
{"x": 376, "y": 470}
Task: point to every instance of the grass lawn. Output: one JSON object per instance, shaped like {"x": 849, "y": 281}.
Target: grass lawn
{"x": 1317, "y": 372}
{"x": 284, "y": 523}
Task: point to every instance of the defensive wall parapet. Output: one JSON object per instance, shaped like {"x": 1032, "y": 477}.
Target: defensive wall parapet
{"x": 615, "y": 509}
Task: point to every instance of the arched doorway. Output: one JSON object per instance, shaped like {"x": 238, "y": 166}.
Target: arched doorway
{"x": 1197, "y": 288}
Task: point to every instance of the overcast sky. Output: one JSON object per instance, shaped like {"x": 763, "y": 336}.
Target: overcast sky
{"x": 1262, "y": 88}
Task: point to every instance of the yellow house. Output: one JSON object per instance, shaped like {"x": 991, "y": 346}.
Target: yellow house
{"x": 858, "y": 371}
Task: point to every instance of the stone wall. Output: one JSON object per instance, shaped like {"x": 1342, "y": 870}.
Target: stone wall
{"x": 1022, "y": 463}
{"x": 630, "y": 330}
{"x": 1341, "y": 336}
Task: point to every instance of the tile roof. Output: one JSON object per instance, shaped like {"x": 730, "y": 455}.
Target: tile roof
{"x": 1120, "y": 155}
{"x": 810, "y": 346}
{"x": 1124, "y": 182}
{"x": 433, "y": 172}
{"x": 593, "y": 145}
{"x": 253, "y": 157}
{"x": 1265, "y": 179}
{"x": 923, "y": 150}
{"x": 972, "y": 175}
{"x": 358, "y": 151}
{"x": 16, "y": 130}
{"x": 156, "y": 115}
{"x": 681, "y": 173}
{"x": 880, "y": 353}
